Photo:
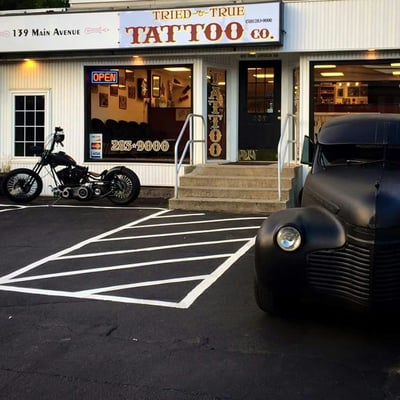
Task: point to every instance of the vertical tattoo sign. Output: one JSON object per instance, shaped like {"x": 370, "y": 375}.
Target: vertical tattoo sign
{"x": 216, "y": 125}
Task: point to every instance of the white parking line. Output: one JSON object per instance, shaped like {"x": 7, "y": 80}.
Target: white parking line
{"x": 141, "y": 284}
{"x": 175, "y": 246}
{"x": 206, "y": 283}
{"x": 205, "y": 280}
{"x": 206, "y": 221}
{"x": 13, "y": 208}
{"x": 117, "y": 299}
{"x": 116, "y": 268}
{"x": 21, "y": 207}
{"x": 185, "y": 233}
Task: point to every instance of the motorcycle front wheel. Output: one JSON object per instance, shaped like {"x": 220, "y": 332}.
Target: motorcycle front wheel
{"x": 125, "y": 186}
{"x": 22, "y": 185}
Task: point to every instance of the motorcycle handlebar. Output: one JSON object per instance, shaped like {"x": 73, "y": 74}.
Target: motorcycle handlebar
{"x": 58, "y": 137}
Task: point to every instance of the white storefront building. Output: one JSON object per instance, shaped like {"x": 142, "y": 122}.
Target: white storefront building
{"x": 125, "y": 75}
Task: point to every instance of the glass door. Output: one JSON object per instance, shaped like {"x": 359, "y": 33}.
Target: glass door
{"x": 260, "y": 110}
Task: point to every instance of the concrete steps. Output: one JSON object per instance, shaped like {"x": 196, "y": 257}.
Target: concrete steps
{"x": 236, "y": 188}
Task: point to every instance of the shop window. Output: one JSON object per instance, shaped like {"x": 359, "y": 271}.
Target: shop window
{"x": 136, "y": 113}
{"x": 29, "y": 123}
{"x": 342, "y": 88}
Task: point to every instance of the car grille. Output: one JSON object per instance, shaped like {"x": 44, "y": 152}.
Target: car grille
{"x": 361, "y": 273}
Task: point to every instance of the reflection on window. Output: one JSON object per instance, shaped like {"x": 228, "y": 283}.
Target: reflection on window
{"x": 358, "y": 154}
{"x": 29, "y": 123}
{"x": 140, "y": 116}
{"x": 260, "y": 90}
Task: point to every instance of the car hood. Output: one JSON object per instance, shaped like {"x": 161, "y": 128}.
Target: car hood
{"x": 360, "y": 195}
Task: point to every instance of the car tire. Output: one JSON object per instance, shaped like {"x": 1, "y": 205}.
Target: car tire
{"x": 271, "y": 302}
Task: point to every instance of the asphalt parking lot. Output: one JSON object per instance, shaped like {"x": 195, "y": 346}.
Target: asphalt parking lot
{"x": 142, "y": 302}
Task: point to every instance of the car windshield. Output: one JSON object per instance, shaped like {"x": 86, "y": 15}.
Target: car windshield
{"x": 348, "y": 154}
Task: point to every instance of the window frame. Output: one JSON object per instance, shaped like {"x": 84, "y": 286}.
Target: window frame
{"x": 139, "y": 73}
{"x": 46, "y": 123}
{"x": 376, "y": 63}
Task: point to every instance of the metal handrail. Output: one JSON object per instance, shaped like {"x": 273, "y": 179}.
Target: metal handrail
{"x": 286, "y": 142}
{"x": 190, "y": 142}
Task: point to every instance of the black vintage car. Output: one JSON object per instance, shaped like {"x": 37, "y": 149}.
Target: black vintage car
{"x": 344, "y": 240}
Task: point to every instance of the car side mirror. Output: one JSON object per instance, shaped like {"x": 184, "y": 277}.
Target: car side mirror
{"x": 307, "y": 153}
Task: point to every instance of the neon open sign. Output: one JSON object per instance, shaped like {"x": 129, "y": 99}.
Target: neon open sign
{"x": 104, "y": 77}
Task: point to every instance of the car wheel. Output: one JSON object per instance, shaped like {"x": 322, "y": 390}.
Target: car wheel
{"x": 271, "y": 302}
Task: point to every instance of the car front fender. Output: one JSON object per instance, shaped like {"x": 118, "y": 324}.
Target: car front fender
{"x": 285, "y": 270}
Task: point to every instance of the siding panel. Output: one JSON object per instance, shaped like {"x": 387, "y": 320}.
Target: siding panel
{"x": 341, "y": 25}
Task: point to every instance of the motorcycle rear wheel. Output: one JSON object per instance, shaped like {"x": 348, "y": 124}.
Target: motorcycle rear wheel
{"x": 22, "y": 185}
{"x": 126, "y": 186}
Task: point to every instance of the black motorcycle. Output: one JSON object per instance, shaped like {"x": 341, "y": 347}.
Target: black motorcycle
{"x": 119, "y": 184}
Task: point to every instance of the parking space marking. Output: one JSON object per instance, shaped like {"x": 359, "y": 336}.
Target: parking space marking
{"x": 22, "y": 207}
{"x": 177, "y": 233}
{"x": 174, "y": 246}
{"x": 116, "y": 267}
{"x": 52, "y": 257}
{"x": 11, "y": 207}
{"x": 192, "y": 296}
{"x": 240, "y": 237}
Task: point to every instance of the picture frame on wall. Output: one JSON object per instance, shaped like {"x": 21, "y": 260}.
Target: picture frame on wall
{"x": 129, "y": 76}
{"x": 113, "y": 90}
{"x": 155, "y": 85}
{"x": 122, "y": 102}
{"x": 103, "y": 100}
{"x": 131, "y": 92}
{"x": 122, "y": 77}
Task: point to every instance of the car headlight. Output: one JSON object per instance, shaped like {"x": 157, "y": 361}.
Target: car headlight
{"x": 288, "y": 238}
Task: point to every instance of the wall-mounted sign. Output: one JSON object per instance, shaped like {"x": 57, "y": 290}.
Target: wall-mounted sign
{"x": 64, "y": 31}
{"x": 104, "y": 77}
{"x": 96, "y": 145}
{"x": 216, "y": 124}
{"x": 214, "y": 25}
{"x": 234, "y": 24}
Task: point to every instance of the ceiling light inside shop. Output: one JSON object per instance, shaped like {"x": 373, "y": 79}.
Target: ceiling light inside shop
{"x": 396, "y": 64}
{"x": 396, "y": 72}
{"x": 331, "y": 74}
{"x": 263, "y": 76}
{"x": 177, "y": 69}
{"x": 324, "y": 66}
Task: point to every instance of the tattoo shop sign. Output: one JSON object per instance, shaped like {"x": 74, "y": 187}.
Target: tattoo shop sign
{"x": 214, "y": 25}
